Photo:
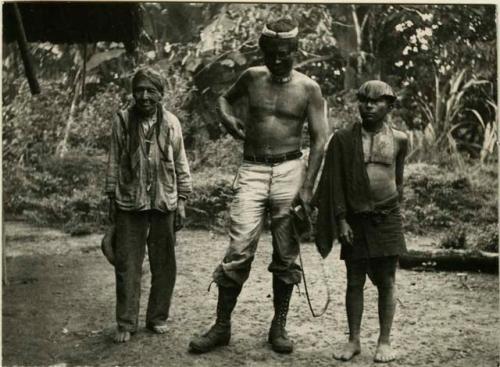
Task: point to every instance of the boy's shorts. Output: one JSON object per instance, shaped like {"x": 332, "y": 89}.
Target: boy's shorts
{"x": 380, "y": 270}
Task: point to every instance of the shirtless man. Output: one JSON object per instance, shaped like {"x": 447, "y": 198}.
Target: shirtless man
{"x": 360, "y": 189}
{"x": 271, "y": 178}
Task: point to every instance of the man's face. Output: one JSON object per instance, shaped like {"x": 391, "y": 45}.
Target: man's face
{"x": 373, "y": 110}
{"x": 279, "y": 61}
{"x": 146, "y": 96}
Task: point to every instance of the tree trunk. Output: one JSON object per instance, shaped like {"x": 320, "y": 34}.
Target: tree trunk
{"x": 359, "y": 39}
{"x": 62, "y": 147}
{"x": 455, "y": 260}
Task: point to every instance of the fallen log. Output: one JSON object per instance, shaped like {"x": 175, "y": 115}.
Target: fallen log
{"x": 454, "y": 260}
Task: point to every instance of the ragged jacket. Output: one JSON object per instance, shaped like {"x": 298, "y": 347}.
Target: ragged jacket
{"x": 147, "y": 172}
{"x": 344, "y": 186}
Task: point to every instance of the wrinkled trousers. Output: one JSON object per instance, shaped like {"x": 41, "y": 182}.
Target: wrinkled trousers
{"x": 260, "y": 189}
{"x": 135, "y": 229}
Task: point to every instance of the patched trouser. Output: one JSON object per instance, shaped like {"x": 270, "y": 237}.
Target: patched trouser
{"x": 261, "y": 189}
{"x": 133, "y": 230}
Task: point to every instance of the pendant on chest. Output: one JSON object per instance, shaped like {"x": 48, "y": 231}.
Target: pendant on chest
{"x": 379, "y": 147}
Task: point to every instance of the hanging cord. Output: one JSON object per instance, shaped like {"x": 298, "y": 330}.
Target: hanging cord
{"x": 323, "y": 271}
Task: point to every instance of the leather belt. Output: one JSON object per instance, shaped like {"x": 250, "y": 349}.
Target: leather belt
{"x": 271, "y": 159}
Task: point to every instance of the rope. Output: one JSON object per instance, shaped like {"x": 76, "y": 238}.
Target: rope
{"x": 323, "y": 272}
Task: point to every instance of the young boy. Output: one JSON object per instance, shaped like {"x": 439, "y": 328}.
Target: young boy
{"x": 360, "y": 191}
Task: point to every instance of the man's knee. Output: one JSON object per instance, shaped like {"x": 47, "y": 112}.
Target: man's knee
{"x": 232, "y": 276}
{"x": 292, "y": 276}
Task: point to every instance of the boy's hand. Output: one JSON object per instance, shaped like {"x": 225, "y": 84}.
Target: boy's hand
{"x": 345, "y": 235}
{"x": 180, "y": 215}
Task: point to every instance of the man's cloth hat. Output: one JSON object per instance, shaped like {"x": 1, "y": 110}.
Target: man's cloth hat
{"x": 151, "y": 75}
{"x": 375, "y": 89}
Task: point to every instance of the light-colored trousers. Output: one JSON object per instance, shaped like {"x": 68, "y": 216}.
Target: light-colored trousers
{"x": 260, "y": 189}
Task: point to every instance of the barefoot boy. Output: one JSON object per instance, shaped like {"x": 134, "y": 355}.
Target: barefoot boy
{"x": 359, "y": 193}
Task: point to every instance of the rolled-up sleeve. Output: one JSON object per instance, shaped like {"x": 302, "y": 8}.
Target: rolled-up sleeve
{"x": 113, "y": 159}
{"x": 182, "y": 172}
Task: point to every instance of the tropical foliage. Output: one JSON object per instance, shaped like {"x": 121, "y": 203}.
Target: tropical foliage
{"x": 439, "y": 58}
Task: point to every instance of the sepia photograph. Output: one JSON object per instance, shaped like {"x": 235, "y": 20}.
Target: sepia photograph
{"x": 250, "y": 184}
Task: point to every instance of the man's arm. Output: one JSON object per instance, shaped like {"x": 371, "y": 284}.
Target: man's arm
{"x": 182, "y": 172}
{"x": 400, "y": 163}
{"x": 318, "y": 134}
{"x": 233, "y": 124}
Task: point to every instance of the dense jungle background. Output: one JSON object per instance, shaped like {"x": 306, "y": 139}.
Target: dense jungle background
{"x": 441, "y": 60}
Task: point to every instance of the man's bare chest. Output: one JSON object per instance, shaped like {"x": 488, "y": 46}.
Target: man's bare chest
{"x": 286, "y": 102}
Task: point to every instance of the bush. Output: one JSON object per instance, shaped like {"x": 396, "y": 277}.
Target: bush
{"x": 487, "y": 240}
{"x": 437, "y": 199}
{"x": 61, "y": 191}
{"x": 208, "y": 205}
{"x": 456, "y": 240}
{"x": 91, "y": 131}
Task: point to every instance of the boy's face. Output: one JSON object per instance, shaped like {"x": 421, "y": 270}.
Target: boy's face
{"x": 372, "y": 110}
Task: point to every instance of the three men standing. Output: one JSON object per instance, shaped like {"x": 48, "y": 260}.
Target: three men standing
{"x": 361, "y": 186}
{"x": 271, "y": 178}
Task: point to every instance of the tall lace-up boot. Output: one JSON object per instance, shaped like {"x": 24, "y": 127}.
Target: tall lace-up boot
{"x": 220, "y": 333}
{"x": 278, "y": 337}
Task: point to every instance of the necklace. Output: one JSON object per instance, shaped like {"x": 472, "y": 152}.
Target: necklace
{"x": 281, "y": 79}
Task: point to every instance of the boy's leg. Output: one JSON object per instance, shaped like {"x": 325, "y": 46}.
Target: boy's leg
{"x": 383, "y": 274}
{"x": 356, "y": 277}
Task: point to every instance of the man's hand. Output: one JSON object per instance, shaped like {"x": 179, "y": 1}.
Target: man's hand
{"x": 238, "y": 129}
{"x": 112, "y": 210}
{"x": 180, "y": 214}
{"x": 305, "y": 197}
{"x": 345, "y": 233}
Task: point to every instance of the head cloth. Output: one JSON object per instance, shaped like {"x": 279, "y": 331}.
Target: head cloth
{"x": 283, "y": 35}
{"x": 151, "y": 75}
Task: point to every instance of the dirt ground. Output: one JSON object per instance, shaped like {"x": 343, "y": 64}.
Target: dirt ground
{"x": 58, "y": 309}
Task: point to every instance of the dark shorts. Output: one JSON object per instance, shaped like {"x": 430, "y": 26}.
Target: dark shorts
{"x": 376, "y": 235}
{"x": 380, "y": 270}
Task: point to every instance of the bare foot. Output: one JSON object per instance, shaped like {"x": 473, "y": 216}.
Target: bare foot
{"x": 348, "y": 351}
{"x": 121, "y": 336}
{"x": 384, "y": 353}
{"x": 158, "y": 329}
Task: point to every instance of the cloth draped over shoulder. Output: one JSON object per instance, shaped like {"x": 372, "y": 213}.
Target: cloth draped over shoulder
{"x": 343, "y": 186}
{"x": 147, "y": 170}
